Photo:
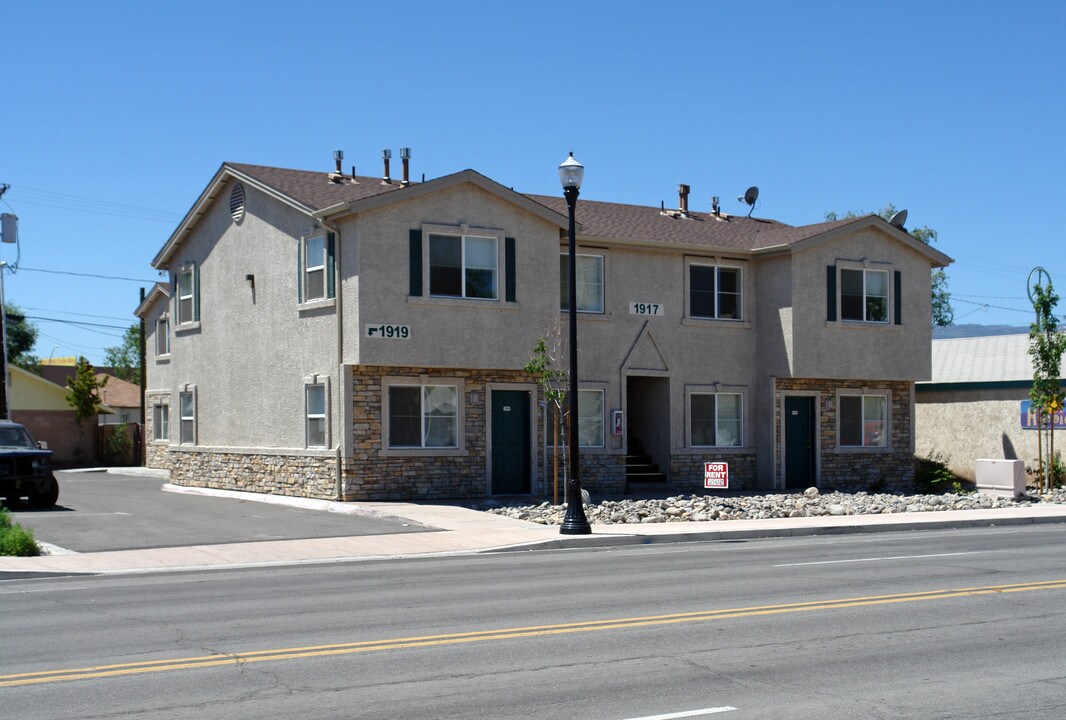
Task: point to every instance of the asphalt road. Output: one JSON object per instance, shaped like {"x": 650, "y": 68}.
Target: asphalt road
{"x": 108, "y": 511}
{"x": 936, "y": 624}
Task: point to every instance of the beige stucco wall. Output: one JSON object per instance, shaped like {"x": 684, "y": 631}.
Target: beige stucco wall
{"x": 967, "y": 425}
{"x": 859, "y": 350}
{"x": 249, "y": 354}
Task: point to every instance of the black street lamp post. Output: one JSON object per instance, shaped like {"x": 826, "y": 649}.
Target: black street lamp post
{"x": 571, "y": 172}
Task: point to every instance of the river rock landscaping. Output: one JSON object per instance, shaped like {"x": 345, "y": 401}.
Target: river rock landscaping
{"x": 810, "y": 503}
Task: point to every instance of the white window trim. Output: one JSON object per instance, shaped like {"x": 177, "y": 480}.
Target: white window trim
{"x": 884, "y": 393}
{"x": 194, "y": 291}
{"x": 866, "y": 266}
{"x": 603, "y": 285}
{"x": 305, "y": 243}
{"x": 188, "y": 389}
{"x": 163, "y": 319}
{"x": 463, "y": 232}
{"x": 422, "y": 381}
{"x": 716, "y": 393}
{"x": 158, "y": 407}
{"x": 322, "y": 381}
{"x": 718, "y": 267}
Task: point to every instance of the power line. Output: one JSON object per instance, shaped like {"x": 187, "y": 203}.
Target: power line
{"x": 76, "y": 323}
{"x": 47, "y": 198}
{"x": 92, "y": 275}
{"x": 68, "y": 312}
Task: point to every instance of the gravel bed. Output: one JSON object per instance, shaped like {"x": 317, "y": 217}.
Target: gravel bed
{"x": 810, "y": 503}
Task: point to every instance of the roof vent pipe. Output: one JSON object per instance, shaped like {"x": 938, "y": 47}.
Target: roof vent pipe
{"x": 405, "y": 159}
{"x": 682, "y": 199}
{"x": 714, "y": 205}
{"x": 386, "y": 155}
{"x": 338, "y": 157}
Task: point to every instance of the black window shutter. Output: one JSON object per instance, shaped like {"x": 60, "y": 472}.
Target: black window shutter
{"x": 898, "y": 290}
{"x": 509, "y": 273}
{"x": 331, "y": 244}
{"x": 299, "y": 271}
{"x": 415, "y": 262}
{"x": 831, "y": 293}
{"x": 196, "y": 293}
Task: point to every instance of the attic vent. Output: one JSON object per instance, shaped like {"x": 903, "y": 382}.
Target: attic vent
{"x": 236, "y": 202}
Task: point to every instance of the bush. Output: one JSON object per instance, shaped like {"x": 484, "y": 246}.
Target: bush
{"x": 117, "y": 446}
{"x": 931, "y": 475}
{"x": 15, "y": 539}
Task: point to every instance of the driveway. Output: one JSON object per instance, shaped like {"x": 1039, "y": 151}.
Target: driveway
{"x": 100, "y": 511}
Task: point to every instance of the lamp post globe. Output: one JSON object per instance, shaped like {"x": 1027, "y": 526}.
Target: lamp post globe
{"x": 571, "y": 173}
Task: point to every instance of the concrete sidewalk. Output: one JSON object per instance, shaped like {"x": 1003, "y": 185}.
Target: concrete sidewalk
{"x": 470, "y": 531}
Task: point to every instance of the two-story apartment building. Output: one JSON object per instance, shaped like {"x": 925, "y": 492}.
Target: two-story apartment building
{"x": 364, "y": 338}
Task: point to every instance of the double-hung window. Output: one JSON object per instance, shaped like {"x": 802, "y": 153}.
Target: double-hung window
{"x": 160, "y": 421}
{"x": 315, "y": 409}
{"x": 863, "y": 421}
{"x": 716, "y": 419}
{"x": 589, "y": 420}
{"x": 162, "y": 336}
{"x": 464, "y": 266}
{"x": 315, "y": 268}
{"x": 187, "y": 415}
{"x": 188, "y": 305}
{"x": 423, "y": 416}
{"x": 714, "y": 292}
{"x": 864, "y": 295}
{"x": 589, "y": 283}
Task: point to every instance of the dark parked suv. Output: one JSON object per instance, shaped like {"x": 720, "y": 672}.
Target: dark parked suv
{"x": 25, "y": 468}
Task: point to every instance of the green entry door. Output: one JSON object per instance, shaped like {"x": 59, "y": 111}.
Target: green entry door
{"x": 510, "y": 442}
{"x": 799, "y": 442}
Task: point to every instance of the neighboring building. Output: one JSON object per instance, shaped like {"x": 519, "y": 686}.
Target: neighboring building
{"x": 42, "y": 407}
{"x": 976, "y": 405}
{"x": 124, "y": 399}
{"x": 364, "y": 338}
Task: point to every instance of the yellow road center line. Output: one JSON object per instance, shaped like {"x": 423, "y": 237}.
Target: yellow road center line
{"x": 152, "y": 666}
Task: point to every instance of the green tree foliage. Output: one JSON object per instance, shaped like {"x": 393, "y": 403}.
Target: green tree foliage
{"x": 1046, "y": 348}
{"x": 126, "y": 358}
{"x": 943, "y": 313}
{"x": 21, "y": 337}
{"x": 84, "y": 391}
{"x": 15, "y": 539}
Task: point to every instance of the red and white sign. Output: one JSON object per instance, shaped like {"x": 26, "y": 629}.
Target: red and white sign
{"x": 716, "y": 475}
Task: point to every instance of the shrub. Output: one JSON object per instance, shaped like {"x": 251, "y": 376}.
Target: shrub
{"x": 931, "y": 474}
{"x": 116, "y": 450}
{"x": 15, "y": 539}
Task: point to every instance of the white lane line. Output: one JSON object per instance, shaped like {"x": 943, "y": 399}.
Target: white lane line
{"x": 46, "y": 516}
{"x": 875, "y": 559}
{"x": 687, "y": 713}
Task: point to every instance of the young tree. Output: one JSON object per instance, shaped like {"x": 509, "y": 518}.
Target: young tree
{"x": 21, "y": 337}
{"x": 943, "y": 313}
{"x": 553, "y": 382}
{"x": 126, "y": 358}
{"x": 1046, "y": 347}
{"x": 83, "y": 394}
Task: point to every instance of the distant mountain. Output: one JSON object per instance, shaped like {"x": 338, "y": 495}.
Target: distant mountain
{"x": 961, "y": 331}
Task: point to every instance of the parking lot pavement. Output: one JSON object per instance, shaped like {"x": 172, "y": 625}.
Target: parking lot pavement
{"x": 101, "y": 511}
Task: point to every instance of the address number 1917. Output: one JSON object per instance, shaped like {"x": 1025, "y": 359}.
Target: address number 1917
{"x": 640, "y": 308}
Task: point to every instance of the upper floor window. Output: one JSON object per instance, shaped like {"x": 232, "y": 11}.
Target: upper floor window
{"x": 863, "y": 421}
{"x": 589, "y": 283}
{"x": 864, "y": 295}
{"x": 714, "y": 292}
{"x": 162, "y": 336}
{"x": 464, "y": 266}
{"x": 315, "y": 408}
{"x": 188, "y": 300}
{"x": 316, "y": 262}
{"x": 716, "y": 419}
{"x": 423, "y": 416}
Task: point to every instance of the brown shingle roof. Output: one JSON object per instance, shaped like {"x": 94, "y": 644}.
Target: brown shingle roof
{"x": 314, "y": 189}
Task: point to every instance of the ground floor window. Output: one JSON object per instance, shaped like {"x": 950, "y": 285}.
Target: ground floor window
{"x": 315, "y": 408}
{"x": 589, "y": 420}
{"x": 160, "y": 421}
{"x": 187, "y": 414}
{"x": 863, "y": 421}
{"x": 716, "y": 419}
{"x": 423, "y": 416}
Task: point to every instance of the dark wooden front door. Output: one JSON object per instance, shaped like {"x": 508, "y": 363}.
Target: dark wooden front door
{"x": 799, "y": 442}
{"x": 510, "y": 442}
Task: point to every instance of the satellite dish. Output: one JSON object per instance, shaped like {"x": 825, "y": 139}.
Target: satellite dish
{"x": 899, "y": 219}
{"x": 751, "y": 195}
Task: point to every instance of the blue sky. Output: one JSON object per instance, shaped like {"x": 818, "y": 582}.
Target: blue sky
{"x": 116, "y": 115}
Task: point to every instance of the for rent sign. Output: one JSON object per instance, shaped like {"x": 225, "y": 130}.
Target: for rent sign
{"x": 1028, "y": 413}
{"x": 716, "y": 475}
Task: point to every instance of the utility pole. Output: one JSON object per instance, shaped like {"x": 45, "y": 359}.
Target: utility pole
{"x": 8, "y": 234}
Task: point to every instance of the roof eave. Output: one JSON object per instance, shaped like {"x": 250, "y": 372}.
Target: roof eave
{"x": 937, "y": 258}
